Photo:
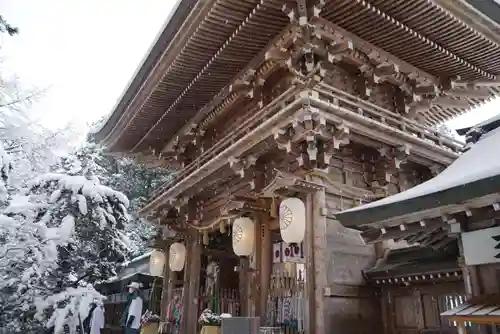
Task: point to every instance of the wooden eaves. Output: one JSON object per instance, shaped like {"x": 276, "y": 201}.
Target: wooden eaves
{"x": 415, "y": 265}
{"x": 464, "y": 193}
{"x": 483, "y": 309}
{"x": 176, "y": 82}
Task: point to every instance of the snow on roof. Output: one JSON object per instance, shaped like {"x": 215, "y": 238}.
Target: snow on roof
{"x": 482, "y": 124}
{"x": 488, "y": 121}
{"x": 136, "y": 259}
{"x": 132, "y": 267}
{"x": 480, "y": 162}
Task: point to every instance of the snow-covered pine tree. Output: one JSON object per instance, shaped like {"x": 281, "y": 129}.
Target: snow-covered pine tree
{"x": 123, "y": 174}
{"x": 69, "y": 232}
{"x": 137, "y": 182}
{"x": 57, "y": 237}
{"x": 66, "y": 232}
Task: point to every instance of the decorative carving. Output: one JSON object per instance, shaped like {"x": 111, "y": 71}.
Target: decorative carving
{"x": 239, "y": 166}
{"x": 239, "y": 205}
{"x": 290, "y": 11}
{"x": 389, "y": 163}
{"x": 284, "y": 183}
{"x": 396, "y": 155}
{"x": 177, "y": 203}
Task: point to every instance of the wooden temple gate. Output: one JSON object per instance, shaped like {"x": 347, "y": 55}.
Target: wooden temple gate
{"x": 416, "y": 286}
{"x": 331, "y": 102}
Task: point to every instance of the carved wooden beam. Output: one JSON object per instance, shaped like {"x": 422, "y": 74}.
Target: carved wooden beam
{"x": 434, "y": 238}
{"x": 285, "y": 182}
{"x": 401, "y": 231}
{"x": 178, "y": 202}
{"x": 391, "y": 159}
{"x": 242, "y": 165}
{"x": 477, "y": 93}
{"x": 243, "y": 205}
{"x": 339, "y": 49}
{"x": 384, "y": 71}
{"x": 291, "y": 11}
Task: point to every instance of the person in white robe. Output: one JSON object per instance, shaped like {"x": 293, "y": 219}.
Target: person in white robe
{"x": 97, "y": 321}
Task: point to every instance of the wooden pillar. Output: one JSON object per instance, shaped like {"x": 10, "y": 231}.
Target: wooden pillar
{"x": 191, "y": 287}
{"x": 256, "y": 280}
{"x": 319, "y": 244}
{"x": 185, "y": 287}
{"x": 243, "y": 271}
{"x": 310, "y": 309}
{"x": 165, "y": 297}
{"x": 265, "y": 267}
{"x": 419, "y": 310}
{"x": 194, "y": 285}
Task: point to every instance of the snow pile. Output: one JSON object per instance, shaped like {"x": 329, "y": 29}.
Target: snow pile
{"x": 479, "y": 162}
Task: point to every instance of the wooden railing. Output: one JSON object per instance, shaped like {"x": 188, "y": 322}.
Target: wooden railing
{"x": 387, "y": 117}
{"x": 241, "y": 130}
{"x": 332, "y": 95}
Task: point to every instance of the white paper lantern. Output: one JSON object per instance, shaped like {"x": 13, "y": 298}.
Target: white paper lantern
{"x": 243, "y": 236}
{"x": 292, "y": 220}
{"x": 177, "y": 256}
{"x": 156, "y": 263}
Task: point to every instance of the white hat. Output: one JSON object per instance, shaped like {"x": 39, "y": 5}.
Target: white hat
{"x": 134, "y": 285}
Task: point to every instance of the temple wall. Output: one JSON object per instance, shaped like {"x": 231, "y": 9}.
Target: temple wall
{"x": 347, "y": 256}
{"x": 352, "y": 316}
{"x": 488, "y": 279}
{"x": 353, "y": 306}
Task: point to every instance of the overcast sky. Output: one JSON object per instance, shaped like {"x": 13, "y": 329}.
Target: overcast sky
{"x": 85, "y": 53}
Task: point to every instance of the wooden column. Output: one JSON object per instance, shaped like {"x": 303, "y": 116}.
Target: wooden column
{"x": 419, "y": 310}
{"x": 310, "y": 309}
{"x": 319, "y": 245}
{"x": 192, "y": 286}
{"x": 243, "y": 285}
{"x": 165, "y": 297}
{"x": 185, "y": 287}
{"x": 265, "y": 266}
{"x": 256, "y": 281}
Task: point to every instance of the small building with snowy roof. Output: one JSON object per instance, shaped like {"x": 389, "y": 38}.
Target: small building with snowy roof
{"x": 450, "y": 222}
